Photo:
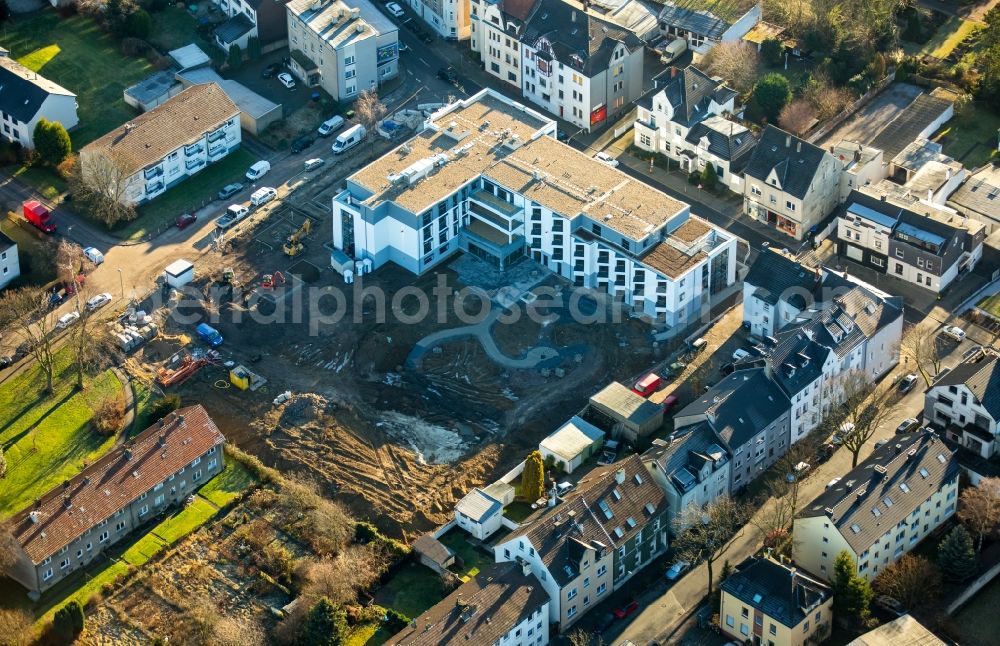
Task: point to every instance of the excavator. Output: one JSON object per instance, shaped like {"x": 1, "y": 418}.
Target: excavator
{"x": 270, "y": 281}
{"x": 293, "y": 245}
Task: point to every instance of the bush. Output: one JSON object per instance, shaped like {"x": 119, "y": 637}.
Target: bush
{"x": 109, "y": 416}
{"x": 138, "y": 24}
{"x": 163, "y": 407}
{"x": 772, "y": 51}
{"x": 235, "y": 58}
{"x": 396, "y": 621}
{"x": 52, "y": 143}
{"x": 365, "y": 532}
{"x": 771, "y": 94}
{"x": 134, "y": 47}
{"x": 68, "y": 622}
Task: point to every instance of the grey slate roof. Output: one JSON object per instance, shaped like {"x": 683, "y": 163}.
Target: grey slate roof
{"x": 920, "y": 461}
{"x": 572, "y": 32}
{"x": 6, "y": 242}
{"x": 691, "y": 446}
{"x": 909, "y": 222}
{"x": 797, "y": 361}
{"x": 982, "y": 378}
{"x": 234, "y": 28}
{"x": 22, "y": 91}
{"x": 794, "y": 160}
{"x": 741, "y": 405}
{"x": 778, "y": 277}
{"x": 699, "y": 22}
{"x": 780, "y": 592}
{"x": 726, "y": 140}
{"x": 979, "y": 194}
{"x": 692, "y": 91}
{"x": 912, "y": 121}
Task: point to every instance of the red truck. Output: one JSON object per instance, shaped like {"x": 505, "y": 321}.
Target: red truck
{"x": 38, "y": 216}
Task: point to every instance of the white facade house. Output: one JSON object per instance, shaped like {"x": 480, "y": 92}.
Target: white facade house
{"x": 691, "y": 467}
{"x": 790, "y": 184}
{"x": 487, "y": 176}
{"x": 168, "y": 144}
{"x": 479, "y": 513}
{"x": 449, "y": 18}
{"x": 343, "y": 48}
{"x": 571, "y": 444}
{"x": 705, "y": 24}
{"x": 862, "y": 166}
{"x": 964, "y": 403}
{"x": 26, "y": 98}
{"x": 881, "y": 509}
{"x": 10, "y": 266}
{"x": 495, "y": 34}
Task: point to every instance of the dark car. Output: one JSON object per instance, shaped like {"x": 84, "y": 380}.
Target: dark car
{"x": 604, "y": 622}
{"x": 229, "y": 190}
{"x": 5, "y": 362}
{"x": 301, "y": 144}
{"x": 185, "y": 219}
{"x": 271, "y": 70}
{"x": 627, "y": 610}
{"x": 448, "y": 74}
{"x": 561, "y": 135}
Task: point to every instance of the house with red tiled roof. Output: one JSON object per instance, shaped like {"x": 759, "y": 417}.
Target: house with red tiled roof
{"x": 73, "y": 524}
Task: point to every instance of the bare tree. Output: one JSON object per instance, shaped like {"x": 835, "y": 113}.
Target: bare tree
{"x": 580, "y": 637}
{"x": 919, "y": 345}
{"x": 26, "y": 311}
{"x": 865, "y": 407}
{"x": 100, "y": 179}
{"x": 17, "y": 627}
{"x": 736, "y": 62}
{"x": 705, "y": 534}
{"x": 979, "y": 509}
{"x": 774, "y": 516}
{"x": 912, "y": 580}
{"x": 369, "y": 111}
{"x": 797, "y": 117}
{"x": 827, "y": 98}
{"x": 89, "y": 341}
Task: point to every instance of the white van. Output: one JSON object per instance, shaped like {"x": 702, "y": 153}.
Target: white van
{"x": 330, "y": 126}
{"x": 258, "y": 170}
{"x": 349, "y": 139}
{"x": 263, "y": 196}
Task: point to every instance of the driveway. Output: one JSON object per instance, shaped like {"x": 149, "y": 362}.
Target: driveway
{"x": 663, "y": 611}
{"x": 870, "y": 120}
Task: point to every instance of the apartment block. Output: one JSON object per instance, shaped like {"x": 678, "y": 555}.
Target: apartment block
{"x": 74, "y": 523}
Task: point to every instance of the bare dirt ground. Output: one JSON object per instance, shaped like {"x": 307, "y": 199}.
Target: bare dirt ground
{"x": 397, "y": 444}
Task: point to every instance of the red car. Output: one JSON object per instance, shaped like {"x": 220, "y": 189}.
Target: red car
{"x": 186, "y": 219}
{"x": 625, "y": 611}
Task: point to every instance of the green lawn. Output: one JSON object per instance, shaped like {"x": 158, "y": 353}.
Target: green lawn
{"x": 947, "y": 37}
{"x": 174, "y": 27}
{"x": 412, "y": 590}
{"x": 76, "y": 54}
{"x": 30, "y": 254}
{"x": 44, "y": 181}
{"x": 991, "y": 304}
{"x": 47, "y": 439}
{"x": 971, "y": 137}
{"x": 473, "y": 560}
{"x": 226, "y": 486}
{"x": 517, "y": 511}
{"x": 193, "y": 193}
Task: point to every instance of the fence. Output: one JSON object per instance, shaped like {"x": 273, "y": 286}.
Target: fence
{"x": 973, "y": 588}
{"x": 838, "y": 119}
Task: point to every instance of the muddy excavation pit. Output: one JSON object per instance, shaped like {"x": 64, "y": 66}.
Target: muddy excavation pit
{"x": 306, "y": 271}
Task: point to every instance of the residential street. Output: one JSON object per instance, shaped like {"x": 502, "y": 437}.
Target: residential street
{"x": 663, "y": 611}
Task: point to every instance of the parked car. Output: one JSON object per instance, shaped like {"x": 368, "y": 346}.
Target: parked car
{"x": 907, "y": 383}
{"x": 954, "y": 332}
{"x": 6, "y": 361}
{"x": 258, "y": 170}
{"x": 626, "y": 610}
{"x": 677, "y": 569}
{"x": 740, "y": 354}
{"x": 287, "y": 80}
{"x": 824, "y": 452}
{"x": 604, "y": 622}
{"x": 94, "y": 255}
{"x": 907, "y": 425}
{"x": 394, "y": 9}
{"x": 185, "y": 219}
{"x": 561, "y": 135}
{"x": 98, "y": 301}
{"x": 271, "y": 70}
{"x": 647, "y": 385}
{"x": 67, "y": 319}
{"x": 209, "y": 335}
{"x": 330, "y": 126}
{"x": 230, "y": 190}
{"x": 448, "y": 74}
{"x": 832, "y": 483}
{"x": 670, "y": 402}
{"x": 564, "y": 488}
{"x": 605, "y": 158}
{"x": 890, "y": 604}
{"x": 233, "y": 214}
{"x": 263, "y": 195}
{"x": 313, "y": 164}
{"x": 301, "y": 144}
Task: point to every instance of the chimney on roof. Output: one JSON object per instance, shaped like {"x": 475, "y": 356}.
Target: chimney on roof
{"x": 35, "y": 517}
{"x": 673, "y": 71}
{"x": 620, "y": 476}
{"x": 38, "y": 503}
{"x": 180, "y": 420}
{"x": 67, "y": 501}
{"x": 163, "y": 439}
{"x": 798, "y": 146}
{"x": 788, "y": 141}
{"x": 65, "y": 484}
{"x": 127, "y": 454}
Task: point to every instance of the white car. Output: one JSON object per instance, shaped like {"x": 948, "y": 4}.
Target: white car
{"x": 954, "y": 332}
{"x": 832, "y": 483}
{"x": 313, "y": 164}
{"x": 564, "y": 488}
{"x": 677, "y": 569}
{"x": 98, "y": 301}
{"x": 286, "y": 80}
{"x": 394, "y": 9}
{"x": 605, "y": 158}
{"x": 67, "y": 320}
{"x": 94, "y": 255}
{"x": 740, "y": 354}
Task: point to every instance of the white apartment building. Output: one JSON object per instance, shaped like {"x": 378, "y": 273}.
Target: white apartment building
{"x": 881, "y": 509}
{"x": 26, "y": 98}
{"x": 964, "y": 403}
{"x": 486, "y": 176}
{"x": 10, "y": 266}
{"x": 449, "y": 18}
{"x": 790, "y": 184}
{"x": 343, "y": 48}
{"x": 495, "y": 33}
{"x": 168, "y": 144}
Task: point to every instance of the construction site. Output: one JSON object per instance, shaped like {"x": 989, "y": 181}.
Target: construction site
{"x": 397, "y": 420}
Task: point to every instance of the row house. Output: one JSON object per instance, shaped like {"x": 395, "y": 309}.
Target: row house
{"x": 449, "y": 18}
{"x": 964, "y": 403}
{"x": 73, "y": 524}
{"x": 610, "y": 527}
{"x": 487, "y": 176}
{"x": 164, "y": 146}
{"x": 27, "y": 98}
{"x": 881, "y": 509}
